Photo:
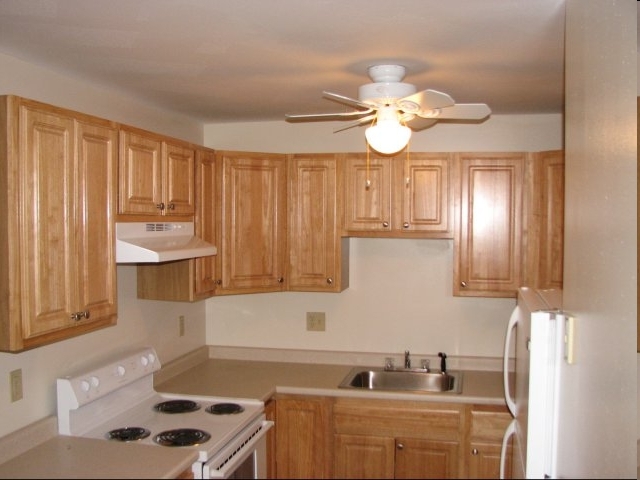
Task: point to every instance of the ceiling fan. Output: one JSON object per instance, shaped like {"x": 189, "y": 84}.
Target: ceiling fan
{"x": 393, "y": 108}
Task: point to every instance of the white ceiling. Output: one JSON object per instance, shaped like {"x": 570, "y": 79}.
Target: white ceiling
{"x": 255, "y": 60}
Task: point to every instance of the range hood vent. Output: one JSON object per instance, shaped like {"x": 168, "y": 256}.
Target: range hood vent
{"x": 148, "y": 242}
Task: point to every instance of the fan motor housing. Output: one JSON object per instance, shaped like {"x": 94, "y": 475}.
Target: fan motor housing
{"x": 385, "y": 93}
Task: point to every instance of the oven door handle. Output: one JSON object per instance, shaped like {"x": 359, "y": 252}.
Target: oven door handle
{"x": 224, "y": 463}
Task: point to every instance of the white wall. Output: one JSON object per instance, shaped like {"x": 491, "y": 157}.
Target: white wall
{"x": 140, "y": 322}
{"x": 598, "y": 437}
{"x": 400, "y": 294}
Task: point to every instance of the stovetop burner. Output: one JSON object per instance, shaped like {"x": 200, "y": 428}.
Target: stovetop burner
{"x": 177, "y": 406}
{"x": 128, "y": 434}
{"x": 225, "y": 408}
{"x": 181, "y": 437}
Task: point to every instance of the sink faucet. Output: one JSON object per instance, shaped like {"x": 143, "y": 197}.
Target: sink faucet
{"x": 407, "y": 359}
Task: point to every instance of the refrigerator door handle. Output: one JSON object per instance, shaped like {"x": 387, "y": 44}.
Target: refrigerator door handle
{"x": 511, "y": 430}
{"x": 513, "y": 320}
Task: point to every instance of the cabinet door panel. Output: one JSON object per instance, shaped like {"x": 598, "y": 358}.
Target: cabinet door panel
{"x": 426, "y": 199}
{"x": 253, "y": 223}
{"x": 360, "y": 456}
{"x": 179, "y": 179}
{"x": 207, "y": 218}
{"x": 48, "y": 183}
{"x": 97, "y": 167}
{"x": 367, "y": 194}
{"x": 418, "y": 458}
{"x": 488, "y": 228}
{"x": 140, "y": 182}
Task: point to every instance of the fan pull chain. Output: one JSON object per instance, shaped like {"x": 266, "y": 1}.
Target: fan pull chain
{"x": 367, "y": 182}
{"x": 407, "y": 177}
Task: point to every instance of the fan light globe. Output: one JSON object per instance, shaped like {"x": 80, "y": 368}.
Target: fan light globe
{"x": 387, "y": 136}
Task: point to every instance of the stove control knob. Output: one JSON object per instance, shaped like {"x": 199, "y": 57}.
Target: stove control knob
{"x": 120, "y": 371}
{"x": 144, "y": 361}
{"x": 151, "y": 357}
{"x": 85, "y": 385}
{"x": 95, "y": 381}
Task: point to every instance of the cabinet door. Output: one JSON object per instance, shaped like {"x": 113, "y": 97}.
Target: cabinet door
{"x": 367, "y": 194}
{"x": 315, "y": 253}
{"x": 364, "y": 456}
{"x": 303, "y": 437}
{"x": 484, "y": 460}
{"x": 207, "y": 220}
{"x": 425, "y": 195}
{"x": 253, "y": 222}
{"x": 488, "y": 243}
{"x": 48, "y": 180}
{"x": 140, "y": 174}
{"x": 420, "y": 458}
{"x": 97, "y": 181}
{"x": 179, "y": 172}
{"x": 486, "y": 429}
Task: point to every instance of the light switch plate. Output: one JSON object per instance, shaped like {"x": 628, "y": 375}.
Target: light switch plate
{"x": 15, "y": 378}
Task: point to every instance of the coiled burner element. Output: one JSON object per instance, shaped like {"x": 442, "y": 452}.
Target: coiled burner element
{"x": 176, "y": 406}
{"x": 181, "y": 437}
{"x": 225, "y": 408}
{"x": 128, "y": 434}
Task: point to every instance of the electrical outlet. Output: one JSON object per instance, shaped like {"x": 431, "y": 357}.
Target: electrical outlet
{"x": 181, "y": 325}
{"x": 316, "y": 321}
{"x": 15, "y": 379}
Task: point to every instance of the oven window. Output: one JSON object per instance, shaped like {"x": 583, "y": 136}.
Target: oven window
{"x": 246, "y": 469}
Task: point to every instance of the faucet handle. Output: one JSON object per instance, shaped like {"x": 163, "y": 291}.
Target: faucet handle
{"x": 389, "y": 363}
{"x": 443, "y": 362}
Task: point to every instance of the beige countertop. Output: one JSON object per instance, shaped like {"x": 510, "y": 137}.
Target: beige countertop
{"x": 72, "y": 457}
{"x": 261, "y": 379}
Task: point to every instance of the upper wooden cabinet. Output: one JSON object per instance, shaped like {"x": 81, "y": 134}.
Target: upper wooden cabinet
{"x": 57, "y": 240}
{"x": 196, "y": 278}
{"x": 318, "y": 255}
{"x": 544, "y": 225}
{"x": 488, "y": 228}
{"x": 252, "y": 252}
{"x": 156, "y": 175}
{"x": 399, "y": 196}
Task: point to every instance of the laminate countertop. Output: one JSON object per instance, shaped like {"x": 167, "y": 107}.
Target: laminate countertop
{"x": 73, "y": 457}
{"x": 261, "y": 380}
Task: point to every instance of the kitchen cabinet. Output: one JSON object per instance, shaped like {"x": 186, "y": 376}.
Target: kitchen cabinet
{"x": 399, "y": 196}
{"x": 193, "y": 279}
{"x": 156, "y": 175}
{"x": 58, "y": 177}
{"x": 303, "y": 436}
{"x": 487, "y": 426}
{"x": 488, "y": 228}
{"x": 397, "y": 439}
{"x": 252, "y": 252}
{"x": 545, "y": 220}
{"x": 318, "y": 255}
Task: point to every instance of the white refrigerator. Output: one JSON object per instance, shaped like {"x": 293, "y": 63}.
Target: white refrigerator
{"x": 540, "y": 334}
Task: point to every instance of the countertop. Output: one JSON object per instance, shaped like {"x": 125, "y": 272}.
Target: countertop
{"x": 72, "y": 457}
{"x": 260, "y": 380}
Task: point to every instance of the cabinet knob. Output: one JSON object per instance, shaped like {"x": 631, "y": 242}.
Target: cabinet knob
{"x": 385, "y": 224}
{"x": 160, "y": 206}
{"x": 475, "y": 451}
{"x": 463, "y": 284}
{"x": 405, "y": 224}
{"x": 329, "y": 281}
{"x": 172, "y": 206}
{"x": 281, "y": 279}
{"x": 400, "y": 446}
{"x": 219, "y": 282}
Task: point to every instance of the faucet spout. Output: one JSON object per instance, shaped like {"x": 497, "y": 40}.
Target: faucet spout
{"x": 407, "y": 359}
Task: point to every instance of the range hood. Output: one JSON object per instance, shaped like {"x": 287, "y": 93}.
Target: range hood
{"x": 149, "y": 242}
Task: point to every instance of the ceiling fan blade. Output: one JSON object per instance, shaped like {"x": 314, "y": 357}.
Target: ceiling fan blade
{"x": 424, "y": 101}
{"x": 357, "y": 123}
{"x": 326, "y": 116}
{"x": 347, "y": 100}
{"x": 420, "y": 123}
{"x": 464, "y": 111}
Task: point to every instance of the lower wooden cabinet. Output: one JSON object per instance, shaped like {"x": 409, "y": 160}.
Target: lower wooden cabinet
{"x": 486, "y": 428}
{"x": 397, "y": 439}
{"x": 303, "y": 437}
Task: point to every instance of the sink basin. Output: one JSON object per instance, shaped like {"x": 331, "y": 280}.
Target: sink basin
{"x": 408, "y": 380}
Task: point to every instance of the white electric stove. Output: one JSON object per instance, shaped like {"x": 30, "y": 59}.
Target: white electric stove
{"x": 116, "y": 401}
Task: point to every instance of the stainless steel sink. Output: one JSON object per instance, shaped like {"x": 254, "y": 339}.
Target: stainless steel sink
{"x": 408, "y": 380}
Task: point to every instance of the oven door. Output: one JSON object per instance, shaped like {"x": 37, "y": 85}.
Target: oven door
{"x": 244, "y": 457}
